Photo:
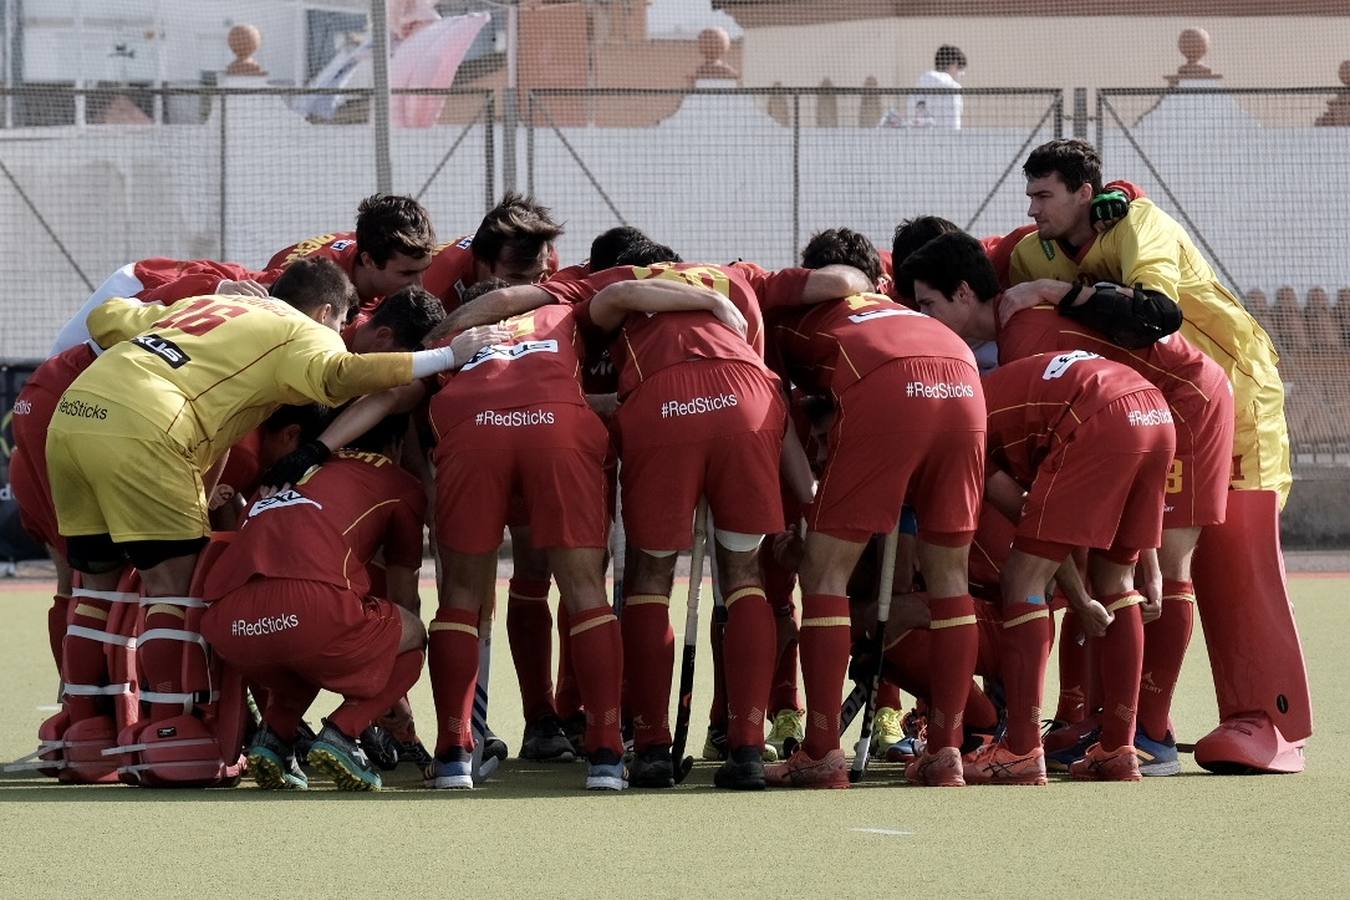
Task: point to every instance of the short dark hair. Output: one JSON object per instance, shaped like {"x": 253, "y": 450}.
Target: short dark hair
{"x": 949, "y": 55}
{"x": 646, "y": 253}
{"x": 390, "y": 223}
{"x": 517, "y": 228}
{"x": 1075, "y": 161}
{"x": 409, "y": 313}
{"x": 911, "y": 234}
{"x": 387, "y": 432}
{"x": 609, "y": 245}
{"x": 842, "y": 247}
{"x": 946, "y": 261}
{"x": 479, "y": 288}
{"x": 311, "y": 281}
{"x": 311, "y": 417}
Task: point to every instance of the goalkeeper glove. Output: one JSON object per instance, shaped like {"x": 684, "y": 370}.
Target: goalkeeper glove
{"x": 1108, "y": 207}
{"x": 292, "y": 467}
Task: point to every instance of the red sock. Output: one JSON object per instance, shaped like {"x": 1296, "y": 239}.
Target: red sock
{"x": 1025, "y": 650}
{"x": 955, "y": 644}
{"x": 980, "y": 714}
{"x": 649, "y": 657}
{"x": 783, "y": 695}
{"x": 529, "y": 630}
{"x": 1074, "y": 664}
{"x": 1165, "y": 642}
{"x": 287, "y": 698}
{"x": 453, "y": 653}
{"x": 567, "y": 697}
{"x": 1122, "y": 662}
{"x": 56, "y": 626}
{"x": 824, "y": 651}
{"x": 83, "y": 661}
{"x": 888, "y": 695}
{"x": 751, "y": 642}
{"x": 598, "y": 643}
{"x": 355, "y": 714}
{"x": 717, "y": 640}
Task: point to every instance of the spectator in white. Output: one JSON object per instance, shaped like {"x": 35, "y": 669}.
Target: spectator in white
{"x": 940, "y": 110}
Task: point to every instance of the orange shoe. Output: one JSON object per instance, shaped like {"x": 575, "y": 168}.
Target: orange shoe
{"x": 941, "y": 768}
{"x": 1097, "y": 764}
{"x": 996, "y": 764}
{"x": 800, "y": 770}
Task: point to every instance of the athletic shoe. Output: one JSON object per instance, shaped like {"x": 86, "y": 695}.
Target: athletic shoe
{"x": 800, "y": 770}
{"x": 941, "y": 768}
{"x": 788, "y": 724}
{"x": 743, "y": 770}
{"x": 1097, "y": 764}
{"x": 888, "y": 728}
{"x": 652, "y": 768}
{"x": 914, "y": 724}
{"x": 1156, "y": 757}
{"x": 342, "y": 759}
{"x": 452, "y": 770}
{"x": 304, "y": 738}
{"x": 1068, "y": 744}
{"x": 544, "y": 741}
{"x": 574, "y": 726}
{"x": 380, "y": 747}
{"x": 715, "y": 744}
{"x": 996, "y": 764}
{"x": 272, "y": 763}
{"x": 414, "y": 752}
{"x": 494, "y": 747}
{"x": 605, "y": 772}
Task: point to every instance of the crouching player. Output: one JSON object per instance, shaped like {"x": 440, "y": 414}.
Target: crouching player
{"x": 291, "y": 606}
{"x": 1091, "y": 441}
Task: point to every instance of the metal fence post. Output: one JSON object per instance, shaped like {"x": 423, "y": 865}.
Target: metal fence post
{"x": 1080, "y": 116}
{"x": 223, "y": 132}
{"x": 490, "y": 154}
{"x": 379, "y": 57}
{"x": 796, "y": 172}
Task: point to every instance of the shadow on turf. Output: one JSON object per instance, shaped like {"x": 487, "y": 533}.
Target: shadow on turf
{"x": 518, "y": 779}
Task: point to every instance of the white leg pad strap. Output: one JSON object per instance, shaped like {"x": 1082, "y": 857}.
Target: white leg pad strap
{"x": 187, "y": 602}
{"x": 103, "y": 637}
{"x": 106, "y": 596}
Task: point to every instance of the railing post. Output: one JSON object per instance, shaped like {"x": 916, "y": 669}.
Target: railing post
{"x": 490, "y": 154}
{"x": 1080, "y": 112}
{"x": 223, "y": 132}
{"x": 796, "y": 174}
{"x": 379, "y": 57}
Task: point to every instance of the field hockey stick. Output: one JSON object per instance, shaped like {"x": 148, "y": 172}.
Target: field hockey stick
{"x": 683, "y": 764}
{"x": 864, "y": 745}
{"x": 618, "y": 552}
{"x": 719, "y": 626}
{"x": 482, "y": 768}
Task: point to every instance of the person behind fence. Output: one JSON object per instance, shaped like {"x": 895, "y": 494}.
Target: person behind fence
{"x": 934, "y": 110}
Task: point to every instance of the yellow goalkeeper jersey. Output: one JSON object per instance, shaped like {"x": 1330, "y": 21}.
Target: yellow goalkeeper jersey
{"x": 1149, "y": 248}
{"x": 207, "y": 370}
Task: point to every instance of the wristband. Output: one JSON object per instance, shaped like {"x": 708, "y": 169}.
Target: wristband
{"x": 1067, "y": 300}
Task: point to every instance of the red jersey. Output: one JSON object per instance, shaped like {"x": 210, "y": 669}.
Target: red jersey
{"x": 999, "y": 249}
{"x": 328, "y": 527}
{"x": 340, "y": 247}
{"x": 1185, "y": 376}
{"x": 1035, "y": 403}
{"x": 829, "y": 346}
{"x": 167, "y": 281}
{"x": 540, "y": 364}
{"x": 243, "y": 468}
{"x": 646, "y": 345}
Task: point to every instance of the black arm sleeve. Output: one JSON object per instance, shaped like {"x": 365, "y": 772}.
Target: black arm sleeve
{"x": 1131, "y": 320}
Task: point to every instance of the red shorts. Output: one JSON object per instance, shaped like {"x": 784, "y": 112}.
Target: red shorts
{"x": 33, "y": 410}
{"x": 988, "y": 552}
{"x": 891, "y": 445}
{"x": 700, "y": 429}
{"x": 1197, "y": 483}
{"x": 1103, "y": 487}
{"x": 551, "y": 456}
{"x": 327, "y": 636}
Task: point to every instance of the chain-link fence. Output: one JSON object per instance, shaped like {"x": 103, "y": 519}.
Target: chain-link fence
{"x": 221, "y": 173}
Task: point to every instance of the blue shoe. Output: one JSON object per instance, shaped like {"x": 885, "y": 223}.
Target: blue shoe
{"x": 605, "y": 772}
{"x": 1156, "y": 757}
{"x": 271, "y": 762}
{"x": 1065, "y": 746}
{"x": 450, "y": 771}
{"x": 342, "y": 759}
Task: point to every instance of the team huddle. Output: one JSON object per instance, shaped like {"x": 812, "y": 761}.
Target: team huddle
{"x": 941, "y": 445}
